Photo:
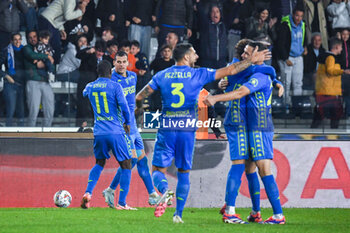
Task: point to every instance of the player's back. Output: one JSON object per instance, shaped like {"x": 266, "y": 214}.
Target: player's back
{"x": 259, "y": 103}
{"x": 180, "y": 87}
{"x": 105, "y": 96}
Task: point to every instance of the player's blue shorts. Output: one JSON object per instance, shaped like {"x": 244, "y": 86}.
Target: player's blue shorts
{"x": 260, "y": 145}
{"x": 120, "y": 145}
{"x": 238, "y": 141}
{"x": 174, "y": 143}
{"x": 136, "y": 141}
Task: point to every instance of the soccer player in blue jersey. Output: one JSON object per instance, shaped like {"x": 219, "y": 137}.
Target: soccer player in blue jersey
{"x": 236, "y": 129}
{"x": 110, "y": 132}
{"x": 180, "y": 86}
{"x": 258, "y": 91}
{"x": 127, "y": 79}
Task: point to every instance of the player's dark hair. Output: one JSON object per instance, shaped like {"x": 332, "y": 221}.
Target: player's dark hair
{"x": 100, "y": 45}
{"x": 240, "y": 47}
{"x": 104, "y": 69}
{"x": 181, "y": 50}
{"x": 121, "y": 54}
{"x": 135, "y": 43}
{"x": 44, "y": 34}
{"x": 258, "y": 44}
{"x": 333, "y": 42}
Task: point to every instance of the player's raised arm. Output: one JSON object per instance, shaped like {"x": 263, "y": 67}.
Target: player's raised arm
{"x": 144, "y": 93}
{"x": 257, "y": 57}
{"x": 210, "y": 100}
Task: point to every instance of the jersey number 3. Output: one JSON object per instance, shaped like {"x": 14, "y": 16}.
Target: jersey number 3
{"x": 105, "y": 103}
{"x": 177, "y": 91}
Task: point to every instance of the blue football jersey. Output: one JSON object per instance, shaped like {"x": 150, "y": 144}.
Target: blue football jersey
{"x": 258, "y": 103}
{"x": 180, "y": 87}
{"x": 129, "y": 87}
{"x": 236, "y": 109}
{"x": 109, "y": 105}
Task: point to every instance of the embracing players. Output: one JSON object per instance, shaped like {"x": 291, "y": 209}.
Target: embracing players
{"x": 180, "y": 86}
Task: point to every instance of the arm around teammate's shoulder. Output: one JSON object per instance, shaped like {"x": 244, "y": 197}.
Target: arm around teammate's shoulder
{"x": 120, "y": 98}
{"x": 256, "y": 58}
{"x": 210, "y": 100}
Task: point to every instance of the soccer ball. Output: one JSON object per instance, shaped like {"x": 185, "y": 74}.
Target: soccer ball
{"x": 62, "y": 198}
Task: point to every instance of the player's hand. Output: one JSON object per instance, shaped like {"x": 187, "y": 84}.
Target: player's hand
{"x": 280, "y": 89}
{"x": 9, "y": 78}
{"x": 223, "y": 84}
{"x": 127, "y": 129}
{"x": 261, "y": 56}
{"x": 289, "y": 62}
{"x": 209, "y": 100}
{"x": 222, "y": 136}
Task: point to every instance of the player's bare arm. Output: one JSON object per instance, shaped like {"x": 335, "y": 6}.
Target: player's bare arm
{"x": 144, "y": 93}
{"x": 210, "y": 100}
{"x": 235, "y": 68}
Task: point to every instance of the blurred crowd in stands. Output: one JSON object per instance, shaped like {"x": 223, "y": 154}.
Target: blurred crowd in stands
{"x": 66, "y": 39}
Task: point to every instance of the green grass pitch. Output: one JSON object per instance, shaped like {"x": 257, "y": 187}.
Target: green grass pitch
{"x": 196, "y": 220}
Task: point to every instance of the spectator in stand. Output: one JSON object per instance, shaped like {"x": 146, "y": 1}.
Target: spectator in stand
{"x": 213, "y": 40}
{"x": 126, "y": 47}
{"x": 158, "y": 64}
{"x": 315, "y": 20}
{"x": 290, "y": 49}
{"x": 328, "y": 86}
{"x": 90, "y": 58}
{"x": 38, "y": 89}
{"x": 345, "y": 64}
{"x": 339, "y": 15}
{"x": 261, "y": 28}
{"x": 112, "y": 13}
{"x": 77, "y": 27}
{"x": 143, "y": 75}
{"x": 141, "y": 16}
{"x": 108, "y": 34}
{"x": 68, "y": 69}
{"x": 141, "y": 60}
{"x": 43, "y": 46}
{"x": 9, "y": 23}
{"x": 171, "y": 40}
{"x": 54, "y": 17}
{"x": 234, "y": 14}
{"x": 173, "y": 16}
{"x": 286, "y": 7}
{"x": 30, "y": 18}
{"x": 314, "y": 50}
{"x": 112, "y": 49}
{"x": 164, "y": 61}
{"x": 13, "y": 93}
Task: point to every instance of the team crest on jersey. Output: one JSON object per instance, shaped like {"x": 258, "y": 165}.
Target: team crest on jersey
{"x": 254, "y": 82}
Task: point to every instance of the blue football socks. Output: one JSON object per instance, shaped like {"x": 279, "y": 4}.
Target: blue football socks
{"x": 254, "y": 190}
{"x": 116, "y": 178}
{"x": 142, "y": 168}
{"x": 124, "y": 186}
{"x": 182, "y": 190}
{"x": 160, "y": 181}
{"x": 272, "y": 193}
{"x": 93, "y": 178}
{"x": 233, "y": 183}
